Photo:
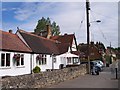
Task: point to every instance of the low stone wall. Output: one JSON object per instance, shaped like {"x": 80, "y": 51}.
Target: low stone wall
{"x": 43, "y": 79}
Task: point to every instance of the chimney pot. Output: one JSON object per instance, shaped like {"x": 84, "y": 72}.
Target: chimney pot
{"x": 92, "y": 43}
{"x": 10, "y": 31}
{"x": 65, "y": 34}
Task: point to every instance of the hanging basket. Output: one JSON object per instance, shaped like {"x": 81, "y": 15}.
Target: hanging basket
{"x": 39, "y": 57}
{"x": 16, "y": 57}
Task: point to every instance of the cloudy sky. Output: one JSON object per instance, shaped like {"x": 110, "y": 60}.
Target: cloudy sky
{"x": 70, "y": 16}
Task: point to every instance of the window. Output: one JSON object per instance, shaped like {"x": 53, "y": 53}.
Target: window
{"x": 41, "y": 59}
{"x": 75, "y": 60}
{"x": 5, "y": 60}
{"x": 18, "y": 59}
{"x": 2, "y": 59}
{"x": 68, "y": 59}
{"x": 54, "y": 59}
{"x": 22, "y": 59}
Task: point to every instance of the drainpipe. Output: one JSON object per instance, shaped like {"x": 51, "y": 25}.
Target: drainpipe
{"x": 52, "y": 63}
{"x": 31, "y": 63}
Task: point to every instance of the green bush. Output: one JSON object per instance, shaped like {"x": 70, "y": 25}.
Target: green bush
{"x": 36, "y": 69}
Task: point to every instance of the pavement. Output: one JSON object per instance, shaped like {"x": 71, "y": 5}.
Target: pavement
{"x": 104, "y": 80}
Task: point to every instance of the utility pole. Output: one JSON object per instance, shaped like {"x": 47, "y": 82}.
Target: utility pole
{"x": 88, "y": 37}
{"x": 110, "y": 54}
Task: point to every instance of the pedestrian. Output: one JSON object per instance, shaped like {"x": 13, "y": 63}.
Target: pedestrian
{"x": 92, "y": 68}
{"x": 114, "y": 67}
{"x": 96, "y": 70}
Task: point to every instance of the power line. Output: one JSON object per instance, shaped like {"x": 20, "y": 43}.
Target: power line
{"x": 103, "y": 35}
{"x": 103, "y": 15}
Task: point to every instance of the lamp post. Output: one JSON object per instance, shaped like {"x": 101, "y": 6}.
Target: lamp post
{"x": 88, "y": 37}
{"x": 88, "y": 24}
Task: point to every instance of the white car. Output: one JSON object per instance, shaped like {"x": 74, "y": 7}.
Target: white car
{"x": 99, "y": 64}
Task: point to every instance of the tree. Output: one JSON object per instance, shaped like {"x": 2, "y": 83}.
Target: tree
{"x": 55, "y": 29}
{"x": 41, "y": 26}
{"x": 100, "y": 45}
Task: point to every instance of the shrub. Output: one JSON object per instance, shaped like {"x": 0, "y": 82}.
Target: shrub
{"x": 36, "y": 69}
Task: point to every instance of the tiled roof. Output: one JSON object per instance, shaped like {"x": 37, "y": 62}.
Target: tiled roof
{"x": 63, "y": 47}
{"x": 40, "y": 44}
{"x": 92, "y": 49}
{"x": 12, "y": 42}
{"x": 64, "y": 38}
{"x": 76, "y": 53}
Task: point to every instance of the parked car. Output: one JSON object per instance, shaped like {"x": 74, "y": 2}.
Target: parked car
{"x": 98, "y": 64}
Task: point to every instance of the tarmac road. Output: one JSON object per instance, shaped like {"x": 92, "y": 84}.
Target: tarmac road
{"x": 104, "y": 80}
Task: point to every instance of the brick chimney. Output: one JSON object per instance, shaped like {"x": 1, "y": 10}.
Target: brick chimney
{"x": 10, "y": 31}
{"x": 49, "y": 33}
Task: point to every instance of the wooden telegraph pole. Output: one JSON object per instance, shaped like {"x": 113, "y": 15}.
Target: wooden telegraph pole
{"x": 88, "y": 37}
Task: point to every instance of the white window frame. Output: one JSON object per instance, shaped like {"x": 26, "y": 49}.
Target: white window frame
{"x": 5, "y": 66}
{"x": 69, "y": 60}
{"x": 20, "y": 61}
{"x": 43, "y": 60}
{"x": 54, "y": 59}
{"x": 75, "y": 60}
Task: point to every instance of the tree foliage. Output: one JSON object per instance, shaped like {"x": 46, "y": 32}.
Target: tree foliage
{"x": 36, "y": 69}
{"x": 41, "y": 26}
{"x": 100, "y": 45}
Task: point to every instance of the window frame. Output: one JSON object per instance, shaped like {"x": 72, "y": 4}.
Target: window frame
{"x": 75, "y": 60}
{"x": 5, "y": 61}
{"x": 69, "y": 60}
{"x": 42, "y": 60}
{"x": 54, "y": 59}
{"x": 20, "y": 65}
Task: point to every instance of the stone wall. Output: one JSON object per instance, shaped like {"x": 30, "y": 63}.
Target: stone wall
{"x": 43, "y": 79}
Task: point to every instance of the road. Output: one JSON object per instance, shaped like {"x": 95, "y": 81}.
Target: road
{"x": 104, "y": 80}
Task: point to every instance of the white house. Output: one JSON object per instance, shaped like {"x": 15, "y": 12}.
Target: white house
{"x": 21, "y": 52}
{"x": 43, "y": 49}
{"x": 68, "y": 49}
{"x": 14, "y": 55}
{"x": 47, "y": 52}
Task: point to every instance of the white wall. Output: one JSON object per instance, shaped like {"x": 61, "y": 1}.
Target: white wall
{"x": 14, "y": 70}
{"x": 61, "y": 60}
{"x": 58, "y": 62}
{"x": 74, "y": 48}
{"x": 48, "y": 65}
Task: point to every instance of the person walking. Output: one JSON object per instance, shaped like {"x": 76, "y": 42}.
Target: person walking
{"x": 94, "y": 69}
{"x": 114, "y": 67}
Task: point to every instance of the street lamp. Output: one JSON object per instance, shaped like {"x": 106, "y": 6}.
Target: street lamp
{"x": 97, "y": 21}
{"x": 88, "y": 38}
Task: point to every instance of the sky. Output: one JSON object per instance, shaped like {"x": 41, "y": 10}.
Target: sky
{"x": 70, "y": 16}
